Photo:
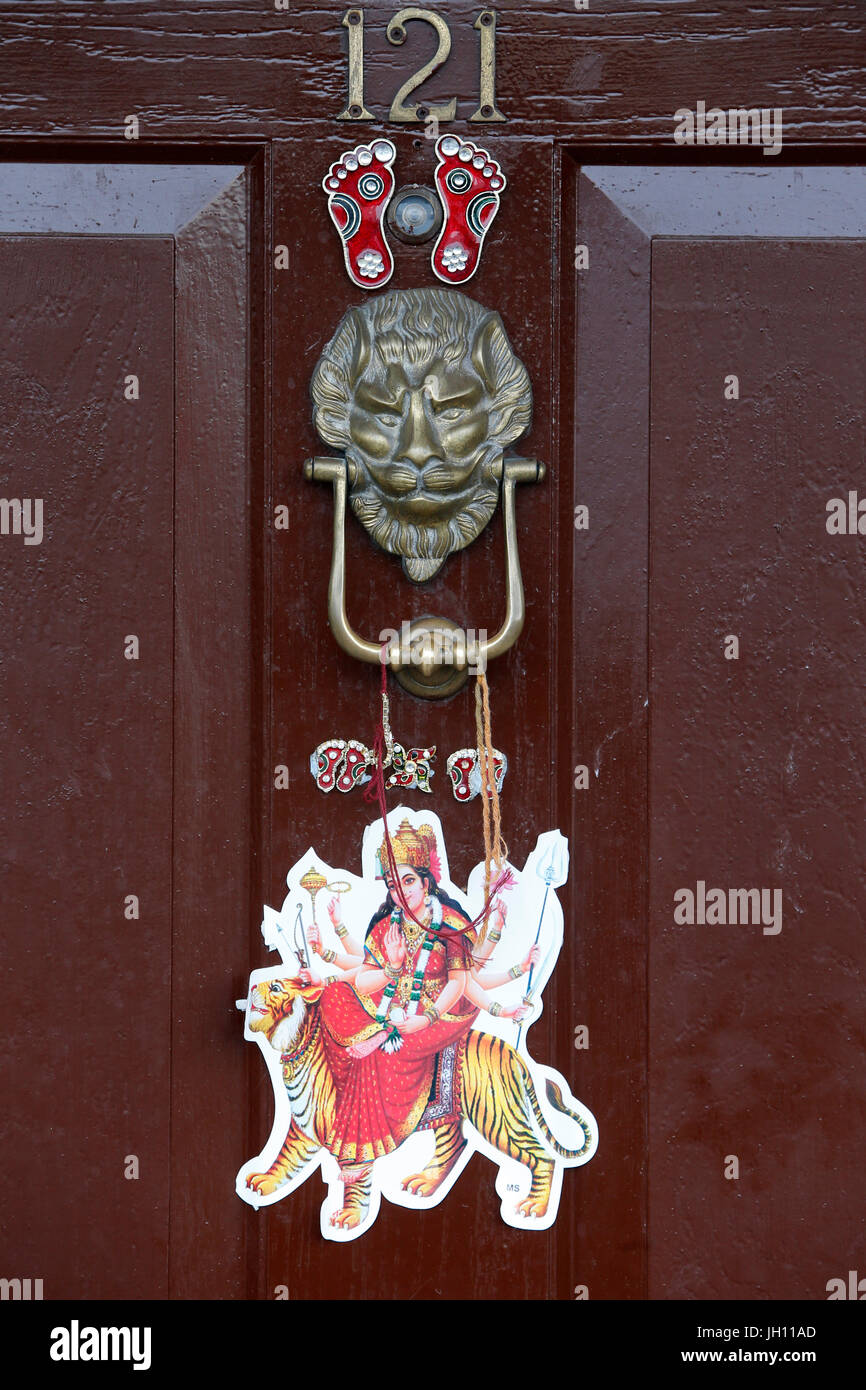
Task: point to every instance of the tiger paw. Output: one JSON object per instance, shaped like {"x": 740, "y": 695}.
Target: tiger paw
{"x": 469, "y": 184}
{"x": 422, "y": 1184}
{"x": 263, "y": 1183}
{"x": 532, "y": 1206}
{"x": 347, "y": 1218}
{"x": 359, "y": 186}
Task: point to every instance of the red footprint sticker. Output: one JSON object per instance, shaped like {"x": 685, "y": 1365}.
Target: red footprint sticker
{"x": 359, "y": 187}
{"x": 325, "y": 762}
{"x": 469, "y": 183}
{"x": 354, "y": 769}
{"x": 463, "y": 772}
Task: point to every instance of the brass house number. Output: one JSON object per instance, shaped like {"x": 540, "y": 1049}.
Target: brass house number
{"x": 353, "y": 21}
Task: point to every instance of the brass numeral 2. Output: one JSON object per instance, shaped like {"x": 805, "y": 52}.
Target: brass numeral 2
{"x": 396, "y": 32}
{"x": 353, "y": 21}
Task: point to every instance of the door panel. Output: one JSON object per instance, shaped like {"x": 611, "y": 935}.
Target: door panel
{"x": 86, "y": 752}
{"x": 608, "y": 369}
{"x": 756, "y": 779}
{"x": 752, "y": 1051}
{"x": 317, "y": 691}
{"x": 127, "y": 776}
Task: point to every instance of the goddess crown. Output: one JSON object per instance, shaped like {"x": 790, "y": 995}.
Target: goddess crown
{"x": 411, "y": 846}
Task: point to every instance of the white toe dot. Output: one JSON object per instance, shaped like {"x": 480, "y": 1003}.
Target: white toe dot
{"x": 333, "y": 183}
{"x": 488, "y": 170}
{"x": 341, "y": 173}
{"x": 384, "y": 150}
{"x": 351, "y": 162}
{"x": 365, "y": 156}
{"x": 495, "y": 183}
{"x": 465, "y": 153}
{"x": 478, "y": 161}
{"x": 450, "y": 145}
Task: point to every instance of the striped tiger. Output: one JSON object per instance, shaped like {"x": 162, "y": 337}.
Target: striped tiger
{"x": 497, "y": 1098}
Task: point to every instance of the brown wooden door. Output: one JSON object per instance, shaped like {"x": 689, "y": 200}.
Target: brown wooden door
{"x": 150, "y": 774}
{"x": 127, "y": 713}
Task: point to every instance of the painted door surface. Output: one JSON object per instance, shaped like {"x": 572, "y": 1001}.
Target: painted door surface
{"x": 168, "y": 278}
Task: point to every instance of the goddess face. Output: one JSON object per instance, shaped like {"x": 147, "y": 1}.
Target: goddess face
{"x": 414, "y": 887}
{"x": 422, "y": 391}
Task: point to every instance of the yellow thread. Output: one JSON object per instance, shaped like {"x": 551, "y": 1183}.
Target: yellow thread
{"x": 495, "y": 848}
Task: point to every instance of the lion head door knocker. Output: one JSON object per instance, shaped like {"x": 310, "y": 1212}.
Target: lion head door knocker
{"x": 422, "y": 393}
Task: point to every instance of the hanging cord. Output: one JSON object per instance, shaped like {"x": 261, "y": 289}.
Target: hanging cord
{"x": 495, "y": 848}
{"x": 383, "y": 744}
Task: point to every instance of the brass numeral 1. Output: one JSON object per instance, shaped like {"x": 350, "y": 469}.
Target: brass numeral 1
{"x": 353, "y": 20}
{"x": 486, "y": 26}
{"x": 444, "y": 111}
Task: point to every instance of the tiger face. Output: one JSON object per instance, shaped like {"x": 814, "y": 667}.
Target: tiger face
{"x": 271, "y": 1001}
{"x": 278, "y": 1009}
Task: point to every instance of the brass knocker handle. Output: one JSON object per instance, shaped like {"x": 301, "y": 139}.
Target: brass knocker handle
{"x": 431, "y": 656}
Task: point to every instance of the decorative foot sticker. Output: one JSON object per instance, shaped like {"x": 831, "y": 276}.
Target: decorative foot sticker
{"x": 396, "y": 1038}
{"x": 327, "y": 762}
{"x": 464, "y": 770}
{"x": 346, "y": 764}
{"x": 359, "y": 187}
{"x": 469, "y": 183}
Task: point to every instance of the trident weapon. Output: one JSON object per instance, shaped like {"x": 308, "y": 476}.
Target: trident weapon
{"x": 551, "y": 868}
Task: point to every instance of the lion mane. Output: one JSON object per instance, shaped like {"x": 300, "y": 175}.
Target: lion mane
{"x": 420, "y": 328}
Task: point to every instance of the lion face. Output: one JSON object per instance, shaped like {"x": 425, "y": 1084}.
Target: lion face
{"x": 422, "y": 392}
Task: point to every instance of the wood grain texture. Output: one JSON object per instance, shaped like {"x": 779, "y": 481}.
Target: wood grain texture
{"x": 217, "y": 829}
{"x": 609, "y": 377}
{"x": 86, "y": 765}
{"x": 756, "y": 1044}
{"x": 613, "y": 75}
{"x": 124, "y": 777}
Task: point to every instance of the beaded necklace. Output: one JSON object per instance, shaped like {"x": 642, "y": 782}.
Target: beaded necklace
{"x": 420, "y": 964}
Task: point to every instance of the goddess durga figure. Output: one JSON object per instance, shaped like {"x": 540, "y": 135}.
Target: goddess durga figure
{"x": 410, "y": 992}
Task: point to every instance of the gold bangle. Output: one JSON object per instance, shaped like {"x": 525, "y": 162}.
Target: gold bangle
{"x": 392, "y": 970}
{"x": 494, "y": 936}
{"x": 329, "y": 957}
{"x": 495, "y": 1009}
{"x": 341, "y": 930}
{"x": 516, "y": 971}
{"x": 432, "y": 1015}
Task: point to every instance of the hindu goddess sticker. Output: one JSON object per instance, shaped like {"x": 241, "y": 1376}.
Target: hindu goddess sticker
{"x": 395, "y": 1032}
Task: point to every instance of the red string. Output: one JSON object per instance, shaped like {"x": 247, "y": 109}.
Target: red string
{"x": 376, "y": 792}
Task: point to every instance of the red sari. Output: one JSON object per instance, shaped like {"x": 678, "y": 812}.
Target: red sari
{"x": 381, "y": 1097}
